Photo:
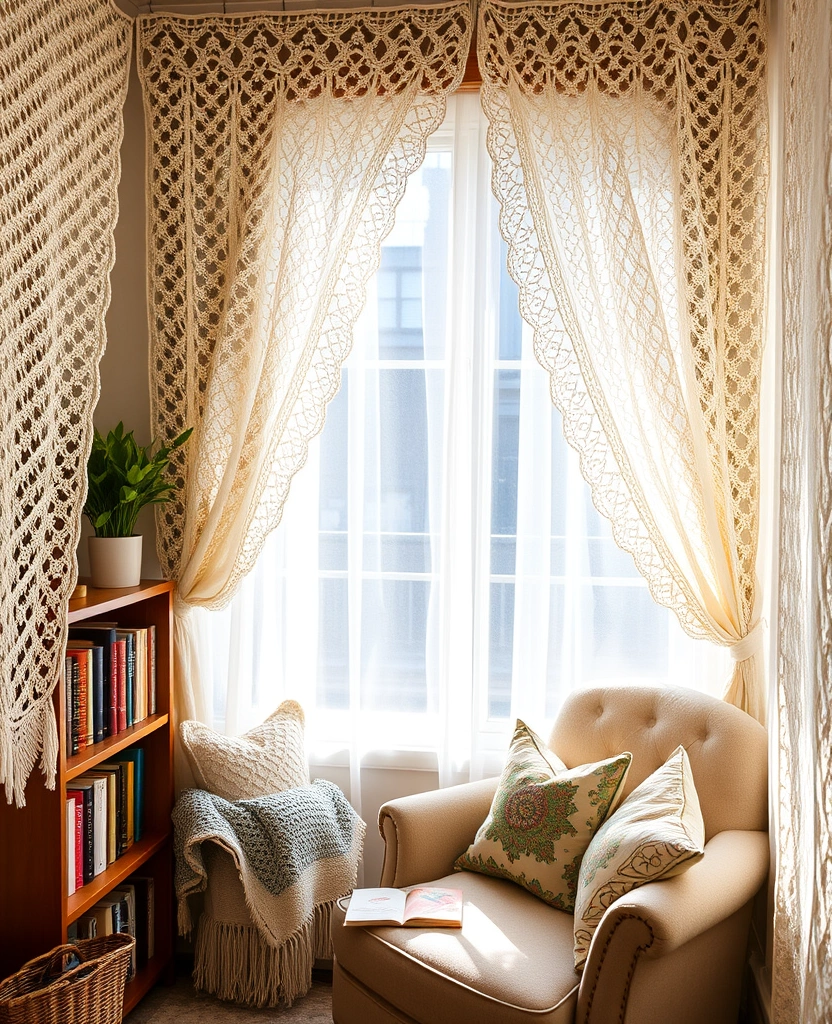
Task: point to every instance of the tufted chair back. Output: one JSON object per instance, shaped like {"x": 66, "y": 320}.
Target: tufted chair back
{"x": 728, "y": 749}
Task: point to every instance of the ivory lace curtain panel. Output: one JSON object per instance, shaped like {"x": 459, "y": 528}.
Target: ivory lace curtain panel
{"x": 63, "y": 79}
{"x": 802, "y": 960}
{"x": 279, "y": 146}
{"x": 643, "y": 277}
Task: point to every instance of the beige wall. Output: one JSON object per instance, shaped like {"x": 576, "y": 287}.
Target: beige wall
{"x": 124, "y": 366}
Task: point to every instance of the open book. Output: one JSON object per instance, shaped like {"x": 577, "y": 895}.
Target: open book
{"x": 421, "y": 907}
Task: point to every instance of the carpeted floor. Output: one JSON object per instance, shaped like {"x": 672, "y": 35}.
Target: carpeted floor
{"x": 181, "y": 1004}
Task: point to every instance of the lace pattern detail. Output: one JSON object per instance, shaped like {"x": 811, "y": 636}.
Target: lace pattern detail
{"x": 630, "y": 151}
{"x": 64, "y": 71}
{"x": 280, "y": 146}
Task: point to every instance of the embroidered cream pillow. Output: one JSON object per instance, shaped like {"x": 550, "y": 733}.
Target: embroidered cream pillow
{"x": 542, "y": 818}
{"x": 267, "y": 759}
{"x": 657, "y": 832}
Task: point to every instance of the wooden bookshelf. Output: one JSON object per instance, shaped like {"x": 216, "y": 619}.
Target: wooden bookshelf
{"x": 35, "y": 906}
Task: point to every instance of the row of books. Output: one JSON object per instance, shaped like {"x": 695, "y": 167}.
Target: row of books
{"x": 104, "y": 810}
{"x": 109, "y": 680}
{"x": 127, "y": 908}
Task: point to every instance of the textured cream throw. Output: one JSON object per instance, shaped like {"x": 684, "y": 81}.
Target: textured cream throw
{"x": 294, "y": 853}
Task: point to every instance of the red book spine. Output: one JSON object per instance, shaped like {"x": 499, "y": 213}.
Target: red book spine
{"x": 112, "y": 710}
{"x": 79, "y": 837}
{"x": 83, "y": 695}
{"x": 122, "y": 684}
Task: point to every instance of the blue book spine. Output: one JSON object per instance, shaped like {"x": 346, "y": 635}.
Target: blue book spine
{"x": 136, "y": 755}
{"x": 98, "y": 710}
{"x": 131, "y": 679}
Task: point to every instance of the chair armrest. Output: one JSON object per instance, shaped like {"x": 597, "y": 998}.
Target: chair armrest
{"x": 425, "y": 833}
{"x": 659, "y": 917}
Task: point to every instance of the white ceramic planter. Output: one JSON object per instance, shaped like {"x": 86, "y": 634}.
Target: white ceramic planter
{"x": 115, "y": 561}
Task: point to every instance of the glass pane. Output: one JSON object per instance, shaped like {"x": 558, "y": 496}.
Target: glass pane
{"x": 415, "y": 266}
{"x": 332, "y": 512}
{"x": 606, "y": 558}
{"x": 558, "y": 661}
{"x": 510, "y": 336}
{"x": 411, "y": 282}
{"x": 560, "y": 456}
{"x": 332, "y": 550}
{"x": 503, "y": 555}
{"x": 411, "y": 317}
{"x": 394, "y": 617}
{"x": 397, "y": 453}
{"x": 625, "y": 634}
{"x": 504, "y": 460}
{"x": 386, "y": 281}
{"x": 557, "y": 559}
{"x": 400, "y": 302}
{"x": 387, "y": 323}
{"x": 500, "y": 649}
{"x": 397, "y": 552}
{"x": 333, "y": 687}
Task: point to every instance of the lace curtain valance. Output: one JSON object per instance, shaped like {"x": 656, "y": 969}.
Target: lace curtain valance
{"x": 279, "y": 146}
{"x": 63, "y": 79}
{"x": 630, "y": 151}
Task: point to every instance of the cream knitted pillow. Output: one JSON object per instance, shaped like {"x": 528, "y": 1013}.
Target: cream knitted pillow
{"x": 657, "y": 832}
{"x": 267, "y": 759}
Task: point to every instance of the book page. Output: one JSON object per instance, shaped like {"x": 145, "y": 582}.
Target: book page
{"x": 434, "y": 906}
{"x": 375, "y": 906}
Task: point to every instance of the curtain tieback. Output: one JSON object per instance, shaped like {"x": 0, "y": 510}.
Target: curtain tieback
{"x": 750, "y": 644}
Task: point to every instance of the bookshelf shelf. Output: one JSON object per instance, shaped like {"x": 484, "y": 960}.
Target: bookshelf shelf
{"x": 98, "y": 752}
{"x": 82, "y": 899}
{"x": 36, "y": 907}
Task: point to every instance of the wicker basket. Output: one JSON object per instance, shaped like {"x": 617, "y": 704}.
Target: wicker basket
{"x": 91, "y": 993}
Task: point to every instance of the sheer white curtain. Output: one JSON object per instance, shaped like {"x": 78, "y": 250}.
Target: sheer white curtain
{"x": 802, "y": 790}
{"x": 439, "y": 567}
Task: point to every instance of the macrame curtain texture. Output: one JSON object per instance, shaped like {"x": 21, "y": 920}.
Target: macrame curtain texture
{"x": 63, "y": 69}
{"x": 279, "y": 146}
{"x": 802, "y": 947}
{"x": 630, "y": 154}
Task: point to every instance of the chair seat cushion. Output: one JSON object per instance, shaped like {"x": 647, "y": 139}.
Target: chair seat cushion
{"x": 511, "y": 960}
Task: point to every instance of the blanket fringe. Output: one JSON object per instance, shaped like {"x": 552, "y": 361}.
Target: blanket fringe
{"x": 233, "y": 962}
{"x": 322, "y": 921}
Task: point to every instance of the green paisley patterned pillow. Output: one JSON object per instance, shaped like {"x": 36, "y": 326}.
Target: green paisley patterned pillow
{"x": 657, "y": 832}
{"x": 542, "y": 818}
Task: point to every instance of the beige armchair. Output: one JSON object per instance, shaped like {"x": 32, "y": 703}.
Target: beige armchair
{"x": 670, "y": 951}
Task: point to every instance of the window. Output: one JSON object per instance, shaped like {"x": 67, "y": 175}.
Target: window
{"x": 440, "y": 568}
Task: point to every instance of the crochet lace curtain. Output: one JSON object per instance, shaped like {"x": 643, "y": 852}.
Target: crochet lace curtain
{"x": 63, "y": 79}
{"x": 279, "y": 146}
{"x": 629, "y": 143}
{"x": 802, "y": 961}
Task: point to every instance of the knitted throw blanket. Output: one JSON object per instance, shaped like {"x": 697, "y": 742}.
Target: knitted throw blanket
{"x": 295, "y": 852}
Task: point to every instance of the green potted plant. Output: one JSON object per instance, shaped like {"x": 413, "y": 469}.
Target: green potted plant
{"x": 123, "y": 477}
